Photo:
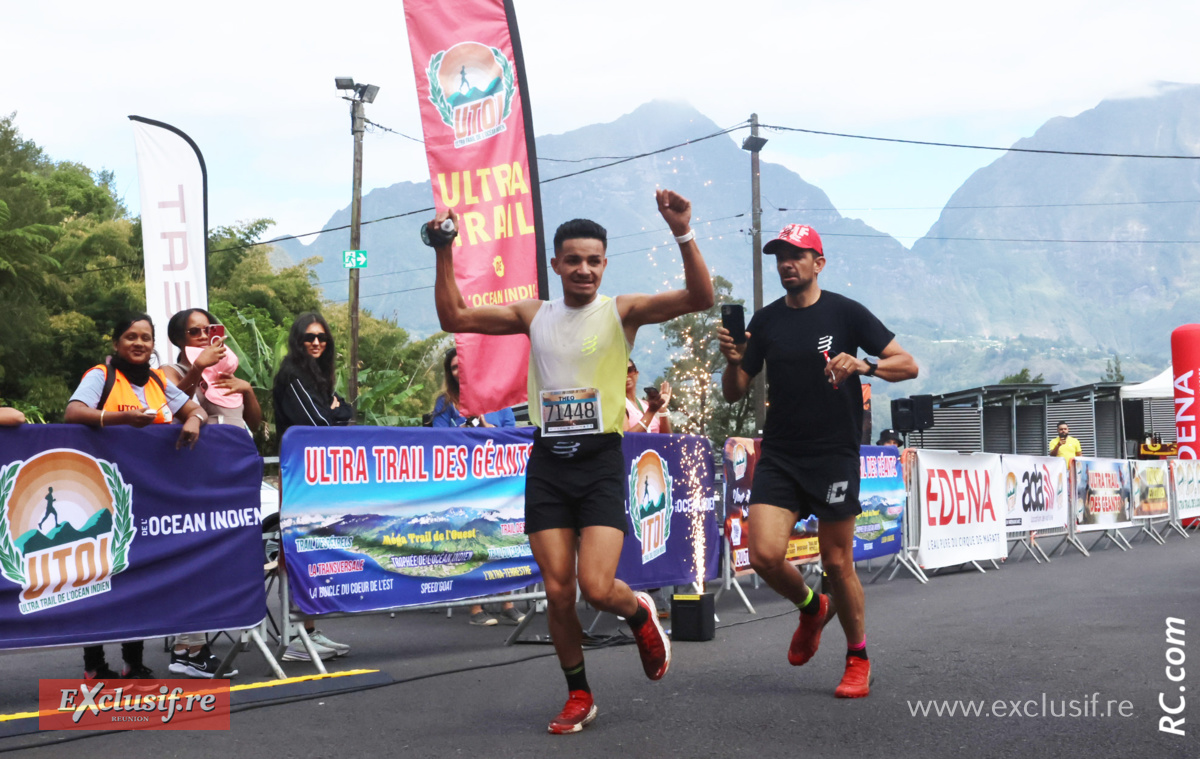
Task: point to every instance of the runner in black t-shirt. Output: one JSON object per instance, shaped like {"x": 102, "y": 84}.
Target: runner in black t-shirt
{"x": 809, "y": 340}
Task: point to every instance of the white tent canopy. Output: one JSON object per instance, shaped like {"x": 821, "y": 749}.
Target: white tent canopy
{"x": 1158, "y": 387}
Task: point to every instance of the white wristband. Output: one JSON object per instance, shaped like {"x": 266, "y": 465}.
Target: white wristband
{"x": 686, "y": 237}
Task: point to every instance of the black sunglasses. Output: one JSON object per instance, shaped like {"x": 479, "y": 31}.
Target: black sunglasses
{"x": 313, "y": 336}
{"x": 631, "y": 370}
{"x": 197, "y": 331}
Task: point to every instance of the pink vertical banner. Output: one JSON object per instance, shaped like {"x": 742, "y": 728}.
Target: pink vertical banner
{"x": 1185, "y": 365}
{"x": 483, "y": 165}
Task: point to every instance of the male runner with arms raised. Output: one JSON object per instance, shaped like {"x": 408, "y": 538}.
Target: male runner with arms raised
{"x": 574, "y": 491}
{"x": 809, "y": 340}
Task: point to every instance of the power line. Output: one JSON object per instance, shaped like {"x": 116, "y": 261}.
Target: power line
{"x": 431, "y": 208}
{"x": 644, "y": 155}
{"x": 380, "y": 274}
{"x": 978, "y": 147}
{"x": 100, "y": 268}
{"x": 1016, "y": 239}
{"x": 393, "y": 131}
{"x": 995, "y": 207}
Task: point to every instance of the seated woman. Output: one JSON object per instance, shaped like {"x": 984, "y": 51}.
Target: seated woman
{"x": 648, "y": 415}
{"x": 445, "y": 408}
{"x": 303, "y": 394}
{"x": 304, "y": 386}
{"x": 226, "y": 399}
{"x": 446, "y": 414}
{"x": 125, "y": 390}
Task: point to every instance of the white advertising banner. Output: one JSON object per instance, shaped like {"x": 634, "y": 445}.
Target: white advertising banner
{"x": 173, "y": 186}
{"x": 1149, "y": 497}
{"x": 1185, "y": 474}
{"x": 1037, "y": 493}
{"x": 1101, "y": 494}
{"x": 961, "y": 509}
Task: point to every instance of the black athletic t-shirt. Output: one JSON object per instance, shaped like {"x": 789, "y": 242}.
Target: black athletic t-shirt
{"x": 806, "y": 415}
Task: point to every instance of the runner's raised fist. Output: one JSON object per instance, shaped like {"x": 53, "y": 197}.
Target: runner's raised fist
{"x": 676, "y": 210}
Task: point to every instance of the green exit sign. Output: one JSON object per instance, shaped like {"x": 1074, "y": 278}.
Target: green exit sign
{"x": 354, "y": 259}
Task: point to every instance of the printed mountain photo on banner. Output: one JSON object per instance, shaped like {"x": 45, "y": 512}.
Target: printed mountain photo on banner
{"x": 879, "y": 515}
{"x": 437, "y": 544}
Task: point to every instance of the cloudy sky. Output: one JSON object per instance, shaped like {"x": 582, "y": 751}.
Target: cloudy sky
{"x": 252, "y": 83}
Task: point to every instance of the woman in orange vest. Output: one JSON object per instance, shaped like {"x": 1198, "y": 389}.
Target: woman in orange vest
{"x": 126, "y": 390}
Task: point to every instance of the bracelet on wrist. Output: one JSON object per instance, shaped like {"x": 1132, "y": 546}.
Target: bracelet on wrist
{"x": 686, "y": 237}
{"x": 102, "y": 418}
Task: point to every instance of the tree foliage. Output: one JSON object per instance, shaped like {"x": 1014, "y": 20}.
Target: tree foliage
{"x": 697, "y": 403}
{"x": 1112, "y": 370}
{"x": 1021, "y": 378}
{"x": 71, "y": 263}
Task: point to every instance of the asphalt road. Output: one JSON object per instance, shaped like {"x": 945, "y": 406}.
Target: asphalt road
{"x": 1077, "y": 627}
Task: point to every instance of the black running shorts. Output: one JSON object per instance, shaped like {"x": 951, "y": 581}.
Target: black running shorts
{"x": 575, "y": 482}
{"x": 823, "y": 486}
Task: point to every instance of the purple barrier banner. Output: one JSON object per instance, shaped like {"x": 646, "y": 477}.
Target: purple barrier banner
{"x": 671, "y": 510}
{"x": 114, "y": 535}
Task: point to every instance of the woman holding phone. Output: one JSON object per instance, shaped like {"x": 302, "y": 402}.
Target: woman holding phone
{"x": 304, "y": 395}
{"x": 650, "y": 415}
{"x": 126, "y": 391}
{"x": 204, "y": 370}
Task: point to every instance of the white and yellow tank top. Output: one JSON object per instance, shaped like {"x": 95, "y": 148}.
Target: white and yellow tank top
{"x": 577, "y": 363}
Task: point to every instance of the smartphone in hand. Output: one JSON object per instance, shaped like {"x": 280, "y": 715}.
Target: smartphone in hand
{"x": 651, "y": 391}
{"x": 733, "y": 318}
{"x": 216, "y": 334}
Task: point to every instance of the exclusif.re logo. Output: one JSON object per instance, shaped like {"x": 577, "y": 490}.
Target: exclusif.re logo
{"x": 66, "y": 527}
{"x": 472, "y": 87}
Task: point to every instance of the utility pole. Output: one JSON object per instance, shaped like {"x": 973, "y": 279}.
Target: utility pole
{"x": 754, "y": 144}
{"x": 357, "y": 127}
{"x": 359, "y": 94}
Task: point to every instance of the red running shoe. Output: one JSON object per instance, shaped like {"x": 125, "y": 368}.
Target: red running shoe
{"x": 579, "y": 712}
{"x": 808, "y": 633}
{"x": 653, "y": 644}
{"x": 856, "y": 682}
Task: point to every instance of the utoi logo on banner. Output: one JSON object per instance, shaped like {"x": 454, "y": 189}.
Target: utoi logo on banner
{"x": 650, "y": 503}
{"x": 740, "y": 459}
{"x": 471, "y": 85}
{"x": 66, "y": 526}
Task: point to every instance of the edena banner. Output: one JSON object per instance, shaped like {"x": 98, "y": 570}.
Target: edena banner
{"x": 961, "y": 518}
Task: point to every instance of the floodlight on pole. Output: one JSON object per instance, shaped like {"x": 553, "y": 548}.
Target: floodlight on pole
{"x": 367, "y": 92}
{"x": 344, "y": 82}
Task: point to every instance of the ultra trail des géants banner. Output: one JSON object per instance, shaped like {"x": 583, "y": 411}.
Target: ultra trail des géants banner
{"x": 385, "y": 517}
{"x": 381, "y": 517}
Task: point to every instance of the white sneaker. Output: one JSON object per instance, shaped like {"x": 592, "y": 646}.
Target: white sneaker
{"x": 319, "y": 638}
{"x": 297, "y": 652}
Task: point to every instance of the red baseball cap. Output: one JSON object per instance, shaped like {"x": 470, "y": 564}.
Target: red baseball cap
{"x": 797, "y": 236}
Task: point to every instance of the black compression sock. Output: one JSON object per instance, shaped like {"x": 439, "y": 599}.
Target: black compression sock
{"x": 639, "y": 617}
{"x": 812, "y": 605}
{"x": 860, "y": 653}
{"x": 576, "y": 678}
